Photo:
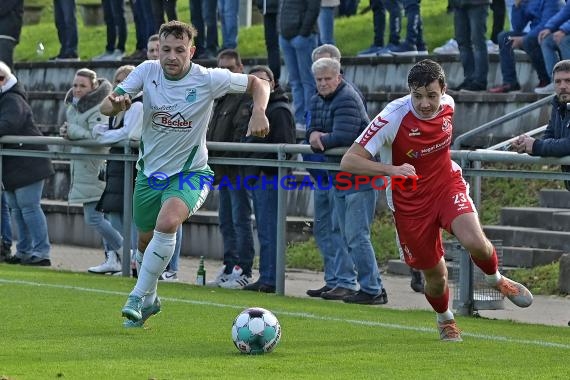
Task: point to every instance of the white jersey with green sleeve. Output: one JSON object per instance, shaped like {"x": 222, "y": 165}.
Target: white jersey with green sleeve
{"x": 176, "y": 114}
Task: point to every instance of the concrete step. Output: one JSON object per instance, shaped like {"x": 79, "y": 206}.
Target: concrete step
{"x": 556, "y": 198}
{"x": 529, "y": 237}
{"x": 526, "y": 257}
{"x": 537, "y": 217}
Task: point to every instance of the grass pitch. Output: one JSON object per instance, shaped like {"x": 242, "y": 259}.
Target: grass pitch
{"x": 68, "y": 325}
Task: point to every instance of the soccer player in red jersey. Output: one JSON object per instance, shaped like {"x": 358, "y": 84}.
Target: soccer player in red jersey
{"x": 413, "y": 135}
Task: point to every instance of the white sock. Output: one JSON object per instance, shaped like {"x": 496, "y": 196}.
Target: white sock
{"x": 445, "y": 316}
{"x": 138, "y": 260}
{"x": 493, "y": 279}
{"x": 149, "y": 299}
{"x": 157, "y": 255}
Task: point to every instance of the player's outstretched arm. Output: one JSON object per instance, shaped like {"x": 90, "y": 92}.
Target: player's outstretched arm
{"x": 259, "y": 91}
{"x": 115, "y": 103}
{"x": 358, "y": 160}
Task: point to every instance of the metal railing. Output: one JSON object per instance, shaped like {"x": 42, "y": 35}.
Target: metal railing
{"x": 469, "y": 160}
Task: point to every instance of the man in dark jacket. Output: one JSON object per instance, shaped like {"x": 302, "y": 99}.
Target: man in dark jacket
{"x": 235, "y": 204}
{"x": 23, "y": 177}
{"x": 556, "y": 139}
{"x": 297, "y": 20}
{"x": 264, "y": 188}
{"x": 338, "y": 117}
{"x": 11, "y": 14}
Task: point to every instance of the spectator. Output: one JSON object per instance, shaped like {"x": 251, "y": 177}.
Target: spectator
{"x": 23, "y": 177}
{"x": 556, "y": 139}
{"x": 337, "y": 117}
{"x": 268, "y": 9}
{"x": 229, "y": 18}
{"x": 348, "y": 7}
{"x": 379, "y": 26}
{"x": 235, "y": 203}
{"x": 470, "y": 23}
{"x": 499, "y": 14}
{"x": 204, "y": 18}
{"x": 83, "y": 116}
{"x": 159, "y": 8}
{"x": 144, "y": 28}
{"x": 326, "y": 21}
{"x": 11, "y": 15}
{"x": 264, "y": 193}
{"x": 66, "y": 24}
{"x": 439, "y": 200}
{"x": 114, "y": 14}
{"x": 297, "y": 39}
{"x": 152, "y": 47}
{"x": 414, "y": 43}
{"x": 6, "y": 232}
{"x": 537, "y": 13}
{"x": 554, "y": 42}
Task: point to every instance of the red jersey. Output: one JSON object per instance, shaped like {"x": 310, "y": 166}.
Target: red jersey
{"x": 401, "y": 136}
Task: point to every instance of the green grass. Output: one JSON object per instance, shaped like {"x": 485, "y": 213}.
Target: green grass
{"x": 68, "y": 325}
{"x": 438, "y": 27}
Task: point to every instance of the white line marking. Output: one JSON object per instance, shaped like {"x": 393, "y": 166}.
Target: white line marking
{"x": 299, "y": 314}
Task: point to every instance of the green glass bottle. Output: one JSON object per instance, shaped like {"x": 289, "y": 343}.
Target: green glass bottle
{"x": 201, "y": 274}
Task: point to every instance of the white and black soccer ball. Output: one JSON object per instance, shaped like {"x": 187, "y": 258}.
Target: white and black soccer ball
{"x": 256, "y": 331}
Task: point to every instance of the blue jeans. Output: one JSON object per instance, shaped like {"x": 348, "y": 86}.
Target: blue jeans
{"x": 144, "y": 23}
{"x": 33, "y": 239}
{"x": 326, "y": 25}
{"x": 114, "y": 14}
{"x": 236, "y": 228}
{"x": 379, "y": 23}
{"x": 203, "y": 17}
{"x": 264, "y": 198}
{"x": 229, "y": 15}
{"x": 297, "y": 56}
{"x": 553, "y": 53}
{"x": 66, "y": 24}
{"x": 470, "y": 24}
{"x": 6, "y": 232}
{"x": 414, "y": 28}
{"x": 272, "y": 44}
{"x": 112, "y": 239}
{"x": 338, "y": 265}
{"x": 159, "y": 8}
{"x": 355, "y": 213}
{"x": 507, "y": 57}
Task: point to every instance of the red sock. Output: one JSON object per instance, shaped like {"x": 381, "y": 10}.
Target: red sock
{"x": 488, "y": 266}
{"x": 439, "y": 304}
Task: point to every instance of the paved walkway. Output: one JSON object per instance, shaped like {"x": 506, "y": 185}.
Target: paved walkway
{"x": 547, "y": 310}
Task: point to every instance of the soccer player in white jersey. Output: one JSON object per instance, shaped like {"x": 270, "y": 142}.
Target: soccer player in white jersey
{"x": 173, "y": 172}
{"x": 413, "y": 136}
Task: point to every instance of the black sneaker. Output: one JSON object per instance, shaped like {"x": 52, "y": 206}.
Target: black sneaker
{"x": 337, "y": 293}
{"x": 318, "y": 292}
{"x": 463, "y": 84}
{"x": 364, "y": 298}
{"x": 417, "y": 281}
{"x": 474, "y": 86}
{"x": 37, "y": 262}
{"x": 14, "y": 260}
{"x": 259, "y": 287}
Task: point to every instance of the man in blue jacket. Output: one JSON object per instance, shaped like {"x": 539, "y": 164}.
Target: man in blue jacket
{"x": 537, "y": 13}
{"x": 556, "y": 139}
{"x": 338, "y": 117}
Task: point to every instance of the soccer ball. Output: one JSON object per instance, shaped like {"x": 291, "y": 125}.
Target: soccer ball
{"x": 256, "y": 331}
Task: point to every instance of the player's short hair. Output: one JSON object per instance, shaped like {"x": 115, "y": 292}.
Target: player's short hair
{"x": 125, "y": 69}
{"x": 230, "y": 54}
{"x": 563, "y": 65}
{"x": 325, "y": 64}
{"x": 326, "y": 49}
{"x": 263, "y": 68}
{"x": 424, "y": 72}
{"x": 89, "y": 74}
{"x": 178, "y": 29}
{"x": 154, "y": 37}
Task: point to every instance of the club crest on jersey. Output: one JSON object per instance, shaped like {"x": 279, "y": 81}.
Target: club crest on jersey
{"x": 446, "y": 126}
{"x": 415, "y": 132}
{"x": 191, "y": 95}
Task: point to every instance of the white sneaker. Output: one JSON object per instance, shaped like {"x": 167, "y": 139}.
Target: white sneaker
{"x": 450, "y": 47}
{"x": 492, "y": 48}
{"x": 220, "y": 278}
{"x": 117, "y": 55}
{"x": 106, "y": 56}
{"x": 237, "y": 279}
{"x": 547, "y": 90}
{"x": 111, "y": 265}
{"x": 168, "y": 276}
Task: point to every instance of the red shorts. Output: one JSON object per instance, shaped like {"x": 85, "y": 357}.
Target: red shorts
{"x": 420, "y": 238}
